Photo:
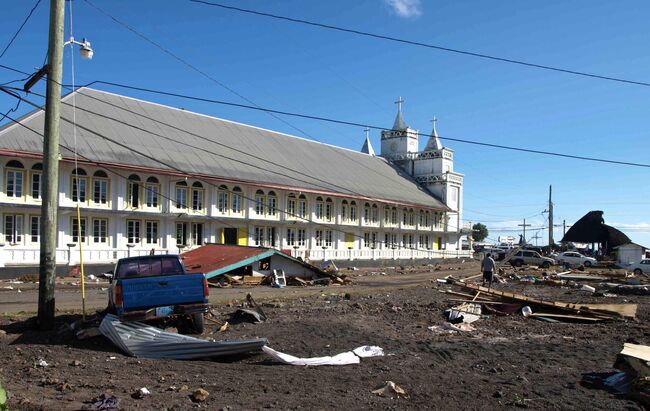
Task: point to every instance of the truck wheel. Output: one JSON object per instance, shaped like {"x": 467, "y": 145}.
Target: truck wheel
{"x": 587, "y": 263}
{"x": 546, "y": 264}
{"x": 198, "y": 323}
{"x": 518, "y": 263}
{"x": 638, "y": 271}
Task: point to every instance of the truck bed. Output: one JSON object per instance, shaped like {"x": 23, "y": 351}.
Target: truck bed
{"x": 168, "y": 290}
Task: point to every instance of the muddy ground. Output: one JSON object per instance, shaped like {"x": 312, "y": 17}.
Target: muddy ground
{"x": 507, "y": 362}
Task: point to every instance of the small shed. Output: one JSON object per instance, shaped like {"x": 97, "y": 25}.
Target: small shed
{"x": 630, "y": 253}
{"x": 217, "y": 259}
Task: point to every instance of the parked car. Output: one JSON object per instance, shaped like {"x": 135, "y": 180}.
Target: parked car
{"x": 574, "y": 258}
{"x": 642, "y": 267}
{"x": 527, "y": 257}
{"x": 158, "y": 287}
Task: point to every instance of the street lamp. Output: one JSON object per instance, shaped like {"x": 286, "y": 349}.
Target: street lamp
{"x": 85, "y": 51}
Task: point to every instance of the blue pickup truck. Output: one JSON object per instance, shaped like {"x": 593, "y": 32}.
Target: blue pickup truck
{"x": 158, "y": 287}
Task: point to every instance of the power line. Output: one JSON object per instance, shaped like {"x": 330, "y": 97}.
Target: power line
{"x": 351, "y": 123}
{"x": 375, "y": 127}
{"x": 20, "y": 28}
{"x": 426, "y": 45}
{"x": 190, "y": 65}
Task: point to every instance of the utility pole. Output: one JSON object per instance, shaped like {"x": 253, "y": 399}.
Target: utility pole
{"x": 550, "y": 218}
{"x": 49, "y": 209}
{"x": 524, "y": 225}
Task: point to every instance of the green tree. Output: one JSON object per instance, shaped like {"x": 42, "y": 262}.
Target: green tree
{"x": 479, "y": 232}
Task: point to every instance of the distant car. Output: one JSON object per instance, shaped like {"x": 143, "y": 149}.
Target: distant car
{"x": 526, "y": 257}
{"x": 642, "y": 266}
{"x": 575, "y": 259}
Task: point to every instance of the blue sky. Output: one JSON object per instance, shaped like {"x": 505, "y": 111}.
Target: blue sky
{"x": 291, "y": 67}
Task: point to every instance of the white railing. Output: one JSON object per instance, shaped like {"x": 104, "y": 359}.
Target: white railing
{"x": 370, "y": 254}
{"x": 31, "y": 256}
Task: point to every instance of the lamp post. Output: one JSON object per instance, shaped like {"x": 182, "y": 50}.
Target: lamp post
{"x": 49, "y": 208}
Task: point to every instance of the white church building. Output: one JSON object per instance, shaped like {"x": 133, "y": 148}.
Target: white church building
{"x": 153, "y": 178}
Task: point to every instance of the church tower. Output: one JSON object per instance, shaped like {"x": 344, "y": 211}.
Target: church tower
{"x": 401, "y": 142}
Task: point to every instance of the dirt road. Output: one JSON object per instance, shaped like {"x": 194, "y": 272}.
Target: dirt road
{"x": 68, "y": 297}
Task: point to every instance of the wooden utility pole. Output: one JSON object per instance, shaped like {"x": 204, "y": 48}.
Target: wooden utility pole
{"x": 550, "y": 219}
{"x": 524, "y": 225}
{"x": 49, "y": 214}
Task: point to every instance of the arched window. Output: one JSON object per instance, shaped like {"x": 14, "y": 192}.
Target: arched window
{"x": 344, "y": 211}
{"x": 15, "y": 164}
{"x": 260, "y": 200}
{"x": 366, "y": 213}
{"x": 198, "y": 197}
{"x": 133, "y": 191}
{"x": 386, "y": 215}
{"x": 100, "y": 187}
{"x": 394, "y": 218}
{"x": 237, "y": 201}
{"x": 374, "y": 214}
{"x": 36, "y": 179}
{"x": 152, "y": 197}
{"x": 421, "y": 220}
{"x": 405, "y": 217}
{"x": 292, "y": 204}
{"x": 223, "y": 202}
{"x": 411, "y": 220}
{"x": 272, "y": 203}
{"x": 79, "y": 185}
{"x": 302, "y": 206}
{"x": 181, "y": 195}
{"x": 329, "y": 209}
{"x": 353, "y": 211}
{"x": 319, "y": 208}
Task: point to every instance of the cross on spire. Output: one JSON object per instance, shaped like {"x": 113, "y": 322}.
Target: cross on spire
{"x": 367, "y": 131}
{"x": 434, "y": 120}
{"x": 399, "y": 102}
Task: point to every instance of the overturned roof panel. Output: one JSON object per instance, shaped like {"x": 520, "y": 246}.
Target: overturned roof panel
{"x": 591, "y": 228}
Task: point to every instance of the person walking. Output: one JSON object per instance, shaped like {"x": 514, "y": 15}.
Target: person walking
{"x": 488, "y": 265}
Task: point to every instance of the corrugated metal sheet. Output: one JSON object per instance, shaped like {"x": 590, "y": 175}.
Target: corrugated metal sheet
{"x": 214, "y": 147}
{"x": 142, "y": 340}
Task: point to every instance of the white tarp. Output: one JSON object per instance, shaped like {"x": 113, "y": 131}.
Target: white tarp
{"x": 345, "y": 358}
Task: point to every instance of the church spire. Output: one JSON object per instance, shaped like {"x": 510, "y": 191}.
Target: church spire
{"x": 399, "y": 124}
{"x": 434, "y": 141}
{"x": 367, "y": 147}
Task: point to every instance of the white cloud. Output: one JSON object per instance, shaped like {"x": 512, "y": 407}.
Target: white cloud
{"x": 405, "y": 8}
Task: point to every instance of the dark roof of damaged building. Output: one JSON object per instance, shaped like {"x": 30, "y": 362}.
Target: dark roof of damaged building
{"x": 120, "y": 131}
{"x": 216, "y": 259}
{"x": 591, "y": 228}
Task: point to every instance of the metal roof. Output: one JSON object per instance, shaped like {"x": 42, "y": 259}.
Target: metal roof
{"x": 145, "y": 341}
{"x": 208, "y": 147}
{"x": 216, "y": 259}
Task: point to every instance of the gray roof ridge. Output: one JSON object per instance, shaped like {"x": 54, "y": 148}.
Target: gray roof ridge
{"x": 219, "y": 119}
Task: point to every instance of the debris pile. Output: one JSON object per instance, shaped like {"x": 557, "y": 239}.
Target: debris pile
{"x": 506, "y": 303}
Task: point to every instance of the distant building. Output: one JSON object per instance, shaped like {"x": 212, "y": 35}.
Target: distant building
{"x": 152, "y": 178}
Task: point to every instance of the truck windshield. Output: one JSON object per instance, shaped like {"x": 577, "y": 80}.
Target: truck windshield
{"x": 149, "y": 267}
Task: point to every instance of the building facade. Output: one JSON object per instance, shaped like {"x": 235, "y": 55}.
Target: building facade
{"x": 130, "y": 206}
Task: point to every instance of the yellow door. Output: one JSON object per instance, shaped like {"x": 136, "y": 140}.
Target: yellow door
{"x": 349, "y": 240}
{"x": 221, "y": 237}
{"x": 438, "y": 241}
{"x": 242, "y": 236}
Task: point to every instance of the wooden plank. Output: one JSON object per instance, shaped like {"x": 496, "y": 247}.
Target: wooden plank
{"x": 455, "y": 300}
{"x": 564, "y": 316}
{"x": 637, "y": 351}
{"x": 465, "y": 294}
{"x": 611, "y": 310}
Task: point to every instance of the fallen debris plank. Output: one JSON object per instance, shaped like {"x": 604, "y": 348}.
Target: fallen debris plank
{"x": 609, "y": 310}
{"x": 485, "y": 297}
{"x": 637, "y": 351}
{"x": 141, "y": 340}
{"x": 566, "y": 317}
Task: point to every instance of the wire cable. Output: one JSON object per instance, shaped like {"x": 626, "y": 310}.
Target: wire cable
{"x": 371, "y": 126}
{"x": 426, "y": 45}
{"x": 20, "y": 28}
